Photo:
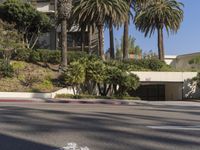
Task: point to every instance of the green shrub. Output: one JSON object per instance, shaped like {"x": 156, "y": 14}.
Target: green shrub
{"x": 155, "y": 64}
{"x": 22, "y": 54}
{"x": 54, "y": 57}
{"x": 34, "y": 56}
{"x": 145, "y": 65}
{"x": 74, "y": 75}
{"x": 49, "y": 56}
{"x": 6, "y": 70}
{"x": 18, "y": 66}
{"x": 95, "y": 97}
{"x": 45, "y": 85}
{"x": 44, "y": 55}
{"x": 76, "y": 55}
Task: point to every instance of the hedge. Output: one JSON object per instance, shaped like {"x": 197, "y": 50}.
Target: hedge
{"x": 45, "y": 55}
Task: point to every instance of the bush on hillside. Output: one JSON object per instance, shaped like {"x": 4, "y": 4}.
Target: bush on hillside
{"x": 22, "y": 54}
{"x": 34, "y": 56}
{"x": 6, "y": 70}
{"x": 145, "y": 64}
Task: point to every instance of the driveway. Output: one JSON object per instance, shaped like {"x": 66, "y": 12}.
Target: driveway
{"x": 142, "y": 126}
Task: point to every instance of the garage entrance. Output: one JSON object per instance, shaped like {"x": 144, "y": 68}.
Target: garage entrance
{"x": 150, "y": 92}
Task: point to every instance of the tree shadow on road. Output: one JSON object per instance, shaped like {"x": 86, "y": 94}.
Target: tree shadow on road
{"x": 13, "y": 143}
{"x": 104, "y": 130}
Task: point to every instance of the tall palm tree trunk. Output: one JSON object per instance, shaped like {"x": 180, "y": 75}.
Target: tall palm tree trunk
{"x": 160, "y": 44}
{"x": 125, "y": 40}
{"x": 100, "y": 34}
{"x": 64, "y": 43}
{"x": 112, "y": 51}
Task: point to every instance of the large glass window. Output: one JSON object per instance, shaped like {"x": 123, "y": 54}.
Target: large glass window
{"x": 74, "y": 39}
{"x": 70, "y": 40}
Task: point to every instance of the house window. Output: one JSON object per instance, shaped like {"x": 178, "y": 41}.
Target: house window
{"x": 70, "y": 40}
{"x": 74, "y": 39}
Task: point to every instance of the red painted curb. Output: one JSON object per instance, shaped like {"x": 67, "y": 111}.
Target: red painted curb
{"x": 11, "y": 100}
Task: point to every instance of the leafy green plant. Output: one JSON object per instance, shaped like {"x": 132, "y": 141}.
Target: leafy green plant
{"x": 34, "y": 56}
{"x": 82, "y": 96}
{"x": 45, "y": 85}
{"x": 197, "y": 79}
{"x": 29, "y": 79}
{"x": 28, "y": 20}
{"x": 74, "y": 75}
{"x": 18, "y": 66}
{"x": 22, "y": 54}
{"x": 6, "y": 70}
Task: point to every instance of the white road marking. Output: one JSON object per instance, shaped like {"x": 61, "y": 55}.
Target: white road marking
{"x": 73, "y": 146}
{"x": 189, "y": 128}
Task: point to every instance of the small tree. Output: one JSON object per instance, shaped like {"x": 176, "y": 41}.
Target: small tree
{"x": 28, "y": 21}
{"x": 9, "y": 41}
{"x": 121, "y": 81}
{"x": 133, "y": 48}
{"x": 74, "y": 76}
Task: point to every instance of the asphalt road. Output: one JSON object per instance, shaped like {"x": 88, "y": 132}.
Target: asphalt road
{"x": 148, "y": 126}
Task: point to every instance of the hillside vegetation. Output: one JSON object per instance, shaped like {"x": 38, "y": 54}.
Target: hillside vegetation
{"x": 29, "y": 77}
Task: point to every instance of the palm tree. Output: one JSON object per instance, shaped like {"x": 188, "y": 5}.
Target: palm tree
{"x": 64, "y": 11}
{"x": 95, "y": 12}
{"x": 131, "y": 4}
{"x": 159, "y": 15}
{"x": 116, "y": 19}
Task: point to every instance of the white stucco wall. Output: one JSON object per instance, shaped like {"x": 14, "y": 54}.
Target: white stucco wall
{"x": 18, "y": 95}
{"x": 45, "y": 7}
{"x": 173, "y": 91}
{"x": 24, "y": 95}
{"x": 169, "y": 59}
{"x": 165, "y": 76}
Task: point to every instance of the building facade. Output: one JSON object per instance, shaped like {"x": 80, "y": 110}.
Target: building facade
{"x": 168, "y": 86}
{"x": 185, "y": 61}
{"x": 52, "y": 40}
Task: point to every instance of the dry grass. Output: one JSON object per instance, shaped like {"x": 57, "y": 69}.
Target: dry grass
{"x": 29, "y": 78}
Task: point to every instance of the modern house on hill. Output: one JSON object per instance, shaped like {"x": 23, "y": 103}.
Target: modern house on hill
{"x": 170, "y": 85}
{"x": 184, "y": 61}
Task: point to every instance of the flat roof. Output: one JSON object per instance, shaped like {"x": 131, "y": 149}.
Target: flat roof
{"x": 164, "y": 76}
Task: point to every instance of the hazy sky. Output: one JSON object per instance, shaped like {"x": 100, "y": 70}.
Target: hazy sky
{"x": 187, "y": 40}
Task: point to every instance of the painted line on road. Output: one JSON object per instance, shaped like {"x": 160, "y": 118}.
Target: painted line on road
{"x": 189, "y": 128}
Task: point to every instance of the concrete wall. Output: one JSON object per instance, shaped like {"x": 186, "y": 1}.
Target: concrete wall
{"x": 169, "y": 59}
{"x": 24, "y": 95}
{"x": 173, "y": 91}
{"x": 165, "y": 76}
{"x": 45, "y": 6}
{"x": 18, "y": 95}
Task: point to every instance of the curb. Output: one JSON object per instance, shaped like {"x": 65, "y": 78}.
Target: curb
{"x": 93, "y": 101}
{"x": 22, "y": 100}
{"x": 71, "y": 101}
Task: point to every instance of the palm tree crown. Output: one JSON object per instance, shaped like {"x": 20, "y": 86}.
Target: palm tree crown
{"x": 158, "y": 15}
{"x": 64, "y": 8}
{"x": 96, "y": 12}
